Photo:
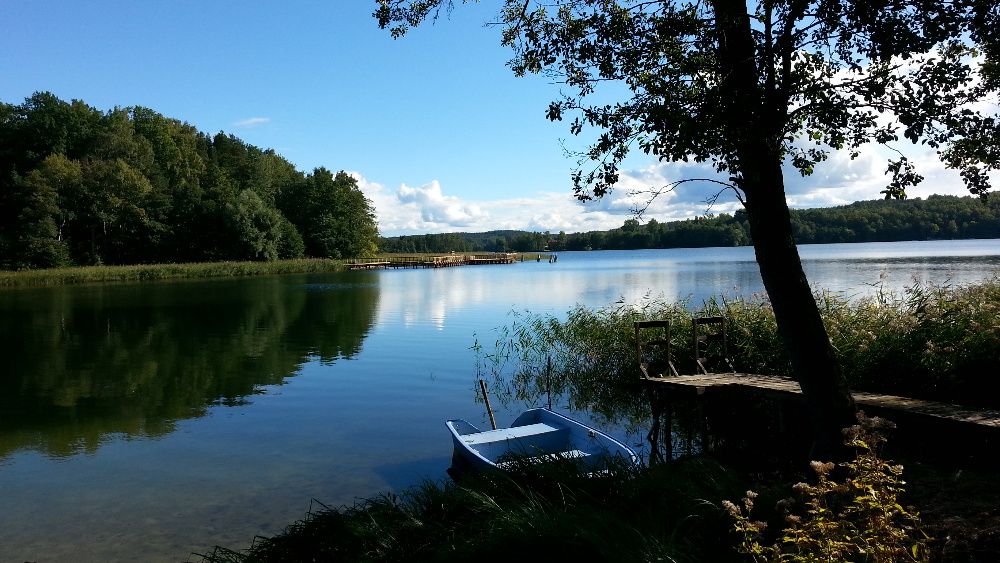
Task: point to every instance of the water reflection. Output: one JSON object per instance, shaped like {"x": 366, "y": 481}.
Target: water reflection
{"x": 86, "y": 363}
{"x": 128, "y": 371}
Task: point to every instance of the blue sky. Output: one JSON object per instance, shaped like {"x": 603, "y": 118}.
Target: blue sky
{"x": 440, "y": 134}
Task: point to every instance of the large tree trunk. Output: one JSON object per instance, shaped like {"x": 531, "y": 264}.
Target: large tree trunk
{"x": 814, "y": 360}
{"x": 757, "y": 134}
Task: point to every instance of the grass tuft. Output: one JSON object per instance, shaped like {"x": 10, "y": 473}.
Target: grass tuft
{"x": 546, "y": 511}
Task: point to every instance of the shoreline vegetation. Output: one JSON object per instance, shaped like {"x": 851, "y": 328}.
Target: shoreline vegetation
{"x": 150, "y": 272}
{"x": 197, "y": 270}
{"x": 924, "y": 505}
{"x": 679, "y": 512}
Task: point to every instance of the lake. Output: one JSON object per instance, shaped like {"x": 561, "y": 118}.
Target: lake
{"x": 152, "y": 420}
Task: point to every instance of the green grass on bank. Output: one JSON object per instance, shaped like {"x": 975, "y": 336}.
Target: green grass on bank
{"x": 669, "y": 513}
{"x": 149, "y": 272}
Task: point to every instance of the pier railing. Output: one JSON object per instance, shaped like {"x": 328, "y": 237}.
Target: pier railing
{"x": 427, "y": 261}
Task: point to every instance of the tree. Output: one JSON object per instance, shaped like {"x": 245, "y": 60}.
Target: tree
{"x": 750, "y": 86}
{"x": 335, "y": 218}
{"x": 256, "y": 228}
{"x": 111, "y": 219}
{"x": 35, "y": 240}
{"x": 78, "y": 186}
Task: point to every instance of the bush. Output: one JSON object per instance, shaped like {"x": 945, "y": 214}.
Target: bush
{"x": 856, "y": 518}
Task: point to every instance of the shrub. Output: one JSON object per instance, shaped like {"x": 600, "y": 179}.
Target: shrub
{"x": 855, "y": 518}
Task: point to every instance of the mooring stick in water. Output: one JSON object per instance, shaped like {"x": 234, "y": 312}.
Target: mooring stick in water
{"x": 548, "y": 374}
{"x": 486, "y": 399}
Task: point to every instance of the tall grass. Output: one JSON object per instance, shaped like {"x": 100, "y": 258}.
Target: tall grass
{"x": 935, "y": 342}
{"x": 552, "y": 513}
{"x": 149, "y": 272}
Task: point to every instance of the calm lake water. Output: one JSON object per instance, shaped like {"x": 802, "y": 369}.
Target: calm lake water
{"x": 150, "y": 421}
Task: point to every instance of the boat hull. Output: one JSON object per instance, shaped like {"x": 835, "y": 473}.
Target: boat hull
{"x": 537, "y": 435}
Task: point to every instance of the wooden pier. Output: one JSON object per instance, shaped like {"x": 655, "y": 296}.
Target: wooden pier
{"x": 890, "y": 406}
{"x": 443, "y": 261}
{"x": 718, "y": 389}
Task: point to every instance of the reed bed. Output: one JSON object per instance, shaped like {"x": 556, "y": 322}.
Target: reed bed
{"x": 934, "y": 342}
{"x": 150, "y": 272}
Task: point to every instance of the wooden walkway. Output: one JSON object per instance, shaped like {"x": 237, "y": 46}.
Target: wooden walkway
{"x": 443, "y": 261}
{"x": 780, "y": 387}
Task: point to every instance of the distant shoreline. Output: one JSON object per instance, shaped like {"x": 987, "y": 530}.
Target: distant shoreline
{"x": 935, "y": 218}
{"x": 76, "y": 275}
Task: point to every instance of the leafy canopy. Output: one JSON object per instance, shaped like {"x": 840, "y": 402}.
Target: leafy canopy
{"x": 828, "y": 75}
{"x": 128, "y": 186}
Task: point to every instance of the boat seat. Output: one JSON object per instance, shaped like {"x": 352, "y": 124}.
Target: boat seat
{"x": 513, "y": 433}
{"x": 519, "y": 440}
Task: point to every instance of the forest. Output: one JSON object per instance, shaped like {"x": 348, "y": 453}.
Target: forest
{"x": 79, "y": 186}
{"x": 937, "y": 217}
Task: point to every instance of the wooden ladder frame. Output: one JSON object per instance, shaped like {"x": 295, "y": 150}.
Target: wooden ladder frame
{"x": 642, "y": 346}
{"x": 702, "y": 341}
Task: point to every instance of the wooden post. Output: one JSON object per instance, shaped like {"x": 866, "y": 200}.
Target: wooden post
{"x": 548, "y": 384}
{"x": 486, "y": 399}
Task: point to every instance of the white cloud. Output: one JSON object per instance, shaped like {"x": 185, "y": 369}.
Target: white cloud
{"x": 428, "y": 209}
{"x": 437, "y": 208}
{"x": 252, "y": 122}
{"x": 694, "y": 196}
{"x": 838, "y": 181}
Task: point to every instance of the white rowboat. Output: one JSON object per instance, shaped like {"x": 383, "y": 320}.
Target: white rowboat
{"x": 539, "y": 435}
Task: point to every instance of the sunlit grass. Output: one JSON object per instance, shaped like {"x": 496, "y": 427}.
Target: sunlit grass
{"x": 149, "y": 272}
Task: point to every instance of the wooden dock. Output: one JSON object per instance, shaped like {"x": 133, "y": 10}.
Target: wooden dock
{"x": 443, "y": 261}
{"x": 873, "y": 403}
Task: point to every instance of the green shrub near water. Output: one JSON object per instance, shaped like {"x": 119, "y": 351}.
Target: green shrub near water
{"x": 849, "y": 512}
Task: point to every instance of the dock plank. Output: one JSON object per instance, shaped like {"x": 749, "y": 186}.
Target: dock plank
{"x": 701, "y": 384}
{"x": 442, "y": 261}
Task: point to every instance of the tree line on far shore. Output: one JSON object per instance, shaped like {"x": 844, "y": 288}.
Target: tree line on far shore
{"x": 937, "y": 217}
{"x": 79, "y": 186}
